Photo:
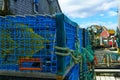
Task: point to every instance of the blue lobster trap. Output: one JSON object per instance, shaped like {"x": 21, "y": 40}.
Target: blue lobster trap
{"x": 74, "y": 73}
{"x": 1, "y": 21}
{"x": 80, "y": 37}
{"x": 24, "y": 41}
{"x": 87, "y": 40}
{"x": 66, "y": 38}
{"x": 27, "y": 43}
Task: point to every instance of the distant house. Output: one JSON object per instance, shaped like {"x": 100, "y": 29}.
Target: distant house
{"x": 22, "y": 7}
{"x": 108, "y": 38}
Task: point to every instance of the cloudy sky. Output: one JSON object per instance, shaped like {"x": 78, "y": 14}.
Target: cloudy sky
{"x": 89, "y": 12}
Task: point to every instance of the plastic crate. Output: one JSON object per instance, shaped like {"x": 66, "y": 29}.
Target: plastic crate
{"x": 1, "y": 21}
{"x": 74, "y": 73}
{"x": 68, "y": 60}
{"x": 31, "y": 21}
{"x": 66, "y": 37}
{"x": 27, "y": 42}
{"x": 9, "y": 22}
{"x": 80, "y": 37}
{"x": 49, "y": 62}
{"x": 9, "y": 19}
{"x": 45, "y": 20}
{"x": 36, "y": 37}
{"x": 20, "y": 19}
{"x": 87, "y": 40}
{"x": 47, "y": 55}
{"x": 71, "y": 33}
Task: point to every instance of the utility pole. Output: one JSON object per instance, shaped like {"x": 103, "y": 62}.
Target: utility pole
{"x": 119, "y": 14}
{"x": 118, "y": 39}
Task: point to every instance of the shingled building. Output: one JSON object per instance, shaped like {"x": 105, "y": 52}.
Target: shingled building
{"x": 22, "y": 7}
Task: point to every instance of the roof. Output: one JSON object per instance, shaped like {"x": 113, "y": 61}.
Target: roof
{"x": 58, "y": 5}
{"x": 55, "y": 7}
{"x": 17, "y": 7}
{"x": 112, "y": 32}
{"x": 104, "y": 34}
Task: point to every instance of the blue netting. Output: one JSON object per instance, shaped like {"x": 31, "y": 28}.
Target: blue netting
{"x": 25, "y": 37}
{"x": 80, "y": 37}
{"x": 74, "y": 73}
{"x": 87, "y": 40}
{"x": 71, "y": 32}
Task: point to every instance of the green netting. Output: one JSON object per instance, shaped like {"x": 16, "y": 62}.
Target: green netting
{"x": 89, "y": 53}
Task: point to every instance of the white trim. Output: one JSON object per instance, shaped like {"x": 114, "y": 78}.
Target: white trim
{"x": 107, "y": 70}
{"x": 35, "y": 9}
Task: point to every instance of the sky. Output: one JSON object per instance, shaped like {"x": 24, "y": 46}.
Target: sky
{"x": 91, "y": 12}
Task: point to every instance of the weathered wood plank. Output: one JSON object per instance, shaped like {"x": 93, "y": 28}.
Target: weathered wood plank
{"x": 117, "y": 78}
{"x": 107, "y": 78}
{"x": 112, "y": 78}
{"x": 102, "y": 77}
{"x": 97, "y": 77}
